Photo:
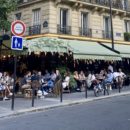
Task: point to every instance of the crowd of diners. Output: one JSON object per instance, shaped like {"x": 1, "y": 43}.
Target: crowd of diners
{"x": 41, "y": 71}
{"x": 44, "y": 83}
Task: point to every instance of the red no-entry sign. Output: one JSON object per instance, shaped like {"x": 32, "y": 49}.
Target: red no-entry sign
{"x": 18, "y": 28}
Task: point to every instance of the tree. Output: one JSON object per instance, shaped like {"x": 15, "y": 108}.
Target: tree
{"x": 6, "y": 7}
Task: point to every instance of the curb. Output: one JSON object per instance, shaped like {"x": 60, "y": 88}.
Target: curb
{"x": 59, "y": 105}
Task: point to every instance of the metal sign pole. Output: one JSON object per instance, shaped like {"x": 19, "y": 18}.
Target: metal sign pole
{"x": 13, "y": 96}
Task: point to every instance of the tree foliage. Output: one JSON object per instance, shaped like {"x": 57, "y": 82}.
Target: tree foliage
{"x": 6, "y": 7}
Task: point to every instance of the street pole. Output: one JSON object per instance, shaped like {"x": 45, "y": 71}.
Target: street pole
{"x": 112, "y": 37}
{"x": 13, "y": 96}
{"x": 1, "y": 42}
{"x": 86, "y": 90}
{"x": 61, "y": 92}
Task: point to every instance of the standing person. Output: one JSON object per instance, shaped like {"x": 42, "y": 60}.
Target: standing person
{"x": 121, "y": 74}
{"x": 110, "y": 67}
{"x": 121, "y": 77}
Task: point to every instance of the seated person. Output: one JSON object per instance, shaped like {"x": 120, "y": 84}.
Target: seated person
{"x": 119, "y": 78}
{"x": 82, "y": 78}
{"x": 91, "y": 79}
{"x": 47, "y": 75}
{"x": 65, "y": 83}
{"x": 26, "y": 81}
{"x": 76, "y": 77}
{"x": 108, "y": 78}
{"x": 5, "y": 86}
{"x": 53, "y": 76}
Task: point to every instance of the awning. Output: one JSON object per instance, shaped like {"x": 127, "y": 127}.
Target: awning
{"x": 45, "y": 44}
{"x": 122, "y": 48}
{"x": 80, "y": 49}
{"x": 91, "y": 50}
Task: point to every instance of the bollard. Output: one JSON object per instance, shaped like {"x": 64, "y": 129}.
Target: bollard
{"x": 33, "y": 96}
{"x": 86, "y": 91}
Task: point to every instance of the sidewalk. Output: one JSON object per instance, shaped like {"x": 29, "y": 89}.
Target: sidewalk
{"x": 23, "y": 105}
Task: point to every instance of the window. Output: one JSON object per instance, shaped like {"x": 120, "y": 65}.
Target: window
{"x": 36, "y": 17}
{"x": 84, "y": 20}
{"x": 107, "y": 27}
{"x": 124, "y": 4}
{"x": 63, "y": 17}
{"x": 18, "y": 16}
{"x": 84, "y": 24}
{"x": 127, "y": 25}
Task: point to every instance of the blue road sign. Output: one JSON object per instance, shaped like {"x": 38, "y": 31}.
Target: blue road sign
{"x": 17, "y": 43}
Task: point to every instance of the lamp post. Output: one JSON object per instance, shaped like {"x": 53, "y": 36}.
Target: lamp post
{"x": 112, "y": 37}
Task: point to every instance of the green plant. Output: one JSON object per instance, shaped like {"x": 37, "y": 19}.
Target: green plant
{"x": 72, "y": 81}
{"x": 127, "y": 36}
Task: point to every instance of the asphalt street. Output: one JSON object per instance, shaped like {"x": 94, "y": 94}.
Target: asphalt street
{"x": 106, "y": 114}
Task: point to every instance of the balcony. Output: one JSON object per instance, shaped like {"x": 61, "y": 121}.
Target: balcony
{"x": 85, "y": 32}
{"x": 115, "y": 4}
{"x": 106, "y": 35}
{"x": 63, "y": 29}
{"x": 33, "y": 30}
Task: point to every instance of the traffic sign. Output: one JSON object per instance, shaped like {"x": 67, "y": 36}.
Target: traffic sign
{"x": 18, "y": 28}
{"x": 17, "y": 43}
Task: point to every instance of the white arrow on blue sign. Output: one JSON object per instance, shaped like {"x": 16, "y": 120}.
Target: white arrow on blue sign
{"x": 17, "y": 43}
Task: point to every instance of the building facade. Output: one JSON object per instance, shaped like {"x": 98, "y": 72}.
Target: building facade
{"x": 80, "y": 18}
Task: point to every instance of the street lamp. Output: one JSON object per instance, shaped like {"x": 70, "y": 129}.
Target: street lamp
{"x": 112, "y": 37}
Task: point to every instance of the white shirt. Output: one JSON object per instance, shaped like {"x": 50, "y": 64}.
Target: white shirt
{"x": 115, "y": 75}
{"x": 110, "y": 68}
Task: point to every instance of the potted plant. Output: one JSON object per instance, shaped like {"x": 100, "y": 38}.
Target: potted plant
{"x": 127, "y": 36}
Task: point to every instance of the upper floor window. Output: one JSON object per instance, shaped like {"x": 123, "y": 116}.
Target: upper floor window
{"x": 127, "y": 25}
{"x": 124, "y": 4}
{"x": 107, "y": 27}
{"x": 63, "y": 17}
{"x": 106, "y": 24}
{"x": 18, "y": 16}
{"x": 84, "y": 30}
{"x": 36, "y": 17}
{"x": 84, "y": 20}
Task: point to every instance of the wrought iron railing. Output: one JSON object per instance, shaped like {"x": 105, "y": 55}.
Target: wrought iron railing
{"x": 36, "y": 29}
{"x": 63, "y": 29}
{"x": 85, "y": 32}
{"x": 115, "y": 4}
{"x": 106, "y": 34}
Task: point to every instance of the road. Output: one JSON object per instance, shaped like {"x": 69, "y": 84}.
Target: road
{"x": 107, "y": 114}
